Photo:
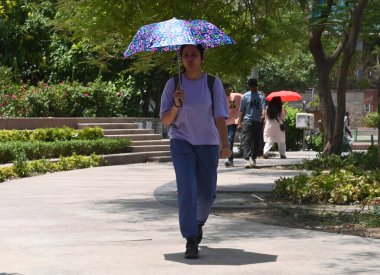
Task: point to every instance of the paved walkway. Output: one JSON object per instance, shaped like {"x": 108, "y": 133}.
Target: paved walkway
{"x": 123, "y": 220}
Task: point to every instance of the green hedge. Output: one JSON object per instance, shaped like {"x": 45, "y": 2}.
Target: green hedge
{"x": 51, "y": 134}
{"x": 42, "y": 166}
{"x": 96, "y": 99}
{"x": 9, "y": 151}
{"x": 350, "y": 179}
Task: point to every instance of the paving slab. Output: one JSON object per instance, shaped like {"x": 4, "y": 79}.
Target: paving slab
{"x": 117, "y": 220}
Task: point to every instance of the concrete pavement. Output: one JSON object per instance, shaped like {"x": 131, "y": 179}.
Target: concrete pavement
{"x": 123, "y": 220}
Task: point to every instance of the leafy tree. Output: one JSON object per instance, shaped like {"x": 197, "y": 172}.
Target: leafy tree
{"x": 25, "y": 29}
{"x": 109, "y": 26}
{"x": 35, "y": 50}
{"x": 293, "y": 72}
{"x": 333, "y": 28}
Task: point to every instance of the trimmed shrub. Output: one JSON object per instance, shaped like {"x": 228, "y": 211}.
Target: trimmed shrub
{"x": 55, "y": 149}
{"x": 43, "y": 166}
{"x": 371, "y": 120}
{"x": 293, "y": 135}
{"x": 91, "y": 133}
{"x": 335, "y": 179}
{"x": 51, "y": 134}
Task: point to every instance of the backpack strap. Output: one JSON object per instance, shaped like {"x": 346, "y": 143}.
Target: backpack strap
{"x": 210, "y": 84}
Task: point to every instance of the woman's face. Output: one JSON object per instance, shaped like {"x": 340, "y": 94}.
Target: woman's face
{"x": 191, "y": 58}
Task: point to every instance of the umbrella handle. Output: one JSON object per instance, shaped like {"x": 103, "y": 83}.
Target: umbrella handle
{"x": 179, "y": 74}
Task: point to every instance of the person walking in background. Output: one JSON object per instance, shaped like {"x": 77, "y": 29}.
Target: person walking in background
{"x": 346, "y": 122}
{"x": 198, "y": 137}
{"x": 347, "y": 134}
{"x": 233, "y": 105}
{"x": 347, "y": 119}
{"x": 251, "y": 115}
{"x": 261, "y": 142}
{"x": 274, "y": 116}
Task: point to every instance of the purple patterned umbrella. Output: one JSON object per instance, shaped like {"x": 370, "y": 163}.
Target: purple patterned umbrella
{"x": 171, "y": 34}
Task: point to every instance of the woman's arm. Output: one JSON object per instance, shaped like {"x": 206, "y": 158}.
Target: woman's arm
{"x": 222, "y": 129}
{"x": 169, "y": 116}
{"x": 283, "y": 114}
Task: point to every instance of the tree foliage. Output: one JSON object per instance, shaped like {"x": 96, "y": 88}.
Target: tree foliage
{"x": 78, "y": 40}
{"x": 294, "y": 72}
{"x": 260, "y": 28}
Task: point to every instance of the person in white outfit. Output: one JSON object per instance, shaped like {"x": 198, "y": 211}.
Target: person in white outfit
{"x": 274, "y": 116}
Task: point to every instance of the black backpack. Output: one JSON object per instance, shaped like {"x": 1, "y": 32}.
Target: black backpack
{"x": 210, "y": 84}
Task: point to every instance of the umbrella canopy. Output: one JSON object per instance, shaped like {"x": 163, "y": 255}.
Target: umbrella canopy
{"x": 285, "y": 96}
{"x": 169, "y": 35}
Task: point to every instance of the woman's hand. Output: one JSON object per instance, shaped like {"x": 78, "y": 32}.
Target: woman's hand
{"x": 178, "y": 98}
{"x": 225, "y": 152}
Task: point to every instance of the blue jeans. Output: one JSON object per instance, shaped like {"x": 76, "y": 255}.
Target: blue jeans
{"x": 195, "y": 168}
{"x": 231, "y": 138}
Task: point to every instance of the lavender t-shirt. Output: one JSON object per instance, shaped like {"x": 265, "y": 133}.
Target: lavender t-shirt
{"x": 195, "y": 120}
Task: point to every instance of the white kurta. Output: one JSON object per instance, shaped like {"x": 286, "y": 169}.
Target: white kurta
{"x": 272, "y": 131}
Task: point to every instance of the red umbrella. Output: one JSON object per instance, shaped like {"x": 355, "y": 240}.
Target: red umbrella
{"x": 285, "y": 96}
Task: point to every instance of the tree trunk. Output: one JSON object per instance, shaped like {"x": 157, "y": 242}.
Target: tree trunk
{"x": 328, "y": 109}
{"x": 378, "y": 111}
{"x": 332, "y": 119}
{"x": 348, "y": 52}
{"x": 324, "y": 88}
{"x": 336, "y": 146}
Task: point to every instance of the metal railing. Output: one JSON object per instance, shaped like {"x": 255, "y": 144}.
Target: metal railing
{"x": 365, "y": 135}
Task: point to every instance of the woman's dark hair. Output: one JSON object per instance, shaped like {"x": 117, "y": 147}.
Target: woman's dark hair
{"x": 274, "y": 108}
{"x": 227, "y": 86}
{"x": 198, "y": 46}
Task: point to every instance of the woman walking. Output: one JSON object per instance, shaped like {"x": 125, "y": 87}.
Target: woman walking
{"x": 198, "y": 137}
{"x": 274, "y": 116}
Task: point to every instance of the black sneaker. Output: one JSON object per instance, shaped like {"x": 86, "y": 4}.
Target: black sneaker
{"x": 200, "y": 233}
{"x": 192, "y": 249}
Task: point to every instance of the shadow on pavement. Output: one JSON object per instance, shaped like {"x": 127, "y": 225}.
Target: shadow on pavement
{"x": 222, "y": 256}
{"x": 143, "y": 209}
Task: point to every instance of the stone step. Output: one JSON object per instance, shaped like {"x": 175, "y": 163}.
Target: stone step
{"x": 150, "y": 142}
{"x": 146, "y": 146}
{"x": 109, "y": 132}
{"x": 160, "y": 159}
{"x": 361, "y": 145}
{"x": 137, "y": 136}
{"x": 138, "y": 157}
{"x": 109, "y": 125}
{"x": 149, "y": 148}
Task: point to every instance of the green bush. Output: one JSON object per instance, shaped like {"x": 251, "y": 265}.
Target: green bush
{"x": 43, "y": 166}
{"x": 77, "y": 162}
{"x": 97, "y": 99}
{"x": 349, "y": 179}
{"x": 14, "y": 135}
{"x": 41, "y": 149}
{"x": 7, "y": 173}
{"x": 355, "y": 160}
{"x": 19, "y": 162}
{"x": 315, "y": 142}
{"x": 371, "y": 120}
{"x": 51, "y": 134}
{"x": 90, "y": 133}
{"x": 293, "y": 135}
{"x": 339, "y": 187}
{"x": 6, "y": 75}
